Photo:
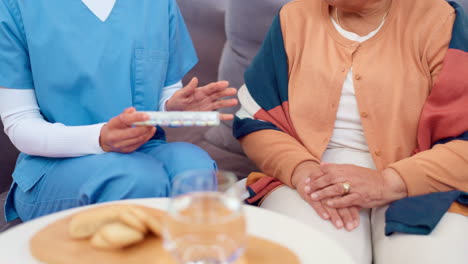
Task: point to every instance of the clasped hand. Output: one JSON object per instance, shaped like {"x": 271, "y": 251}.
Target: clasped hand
{"x": 322, "y": 186}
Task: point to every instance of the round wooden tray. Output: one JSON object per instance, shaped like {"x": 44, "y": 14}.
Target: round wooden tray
{"x": 53, "y": 245}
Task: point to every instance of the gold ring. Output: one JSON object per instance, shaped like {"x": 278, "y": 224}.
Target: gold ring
{"x": 346, "y": 188}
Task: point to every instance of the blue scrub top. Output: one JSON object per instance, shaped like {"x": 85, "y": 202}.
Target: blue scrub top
{"x": 86, "y": 71}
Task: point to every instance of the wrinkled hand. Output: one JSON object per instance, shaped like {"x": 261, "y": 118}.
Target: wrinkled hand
{"x": 118, "y": 135}
{"x": 205, "y": 98}
{"x": 342, "y": 217}
{"x": 369, "y": 188}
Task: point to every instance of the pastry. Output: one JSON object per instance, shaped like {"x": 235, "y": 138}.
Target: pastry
{"x": 85, "y": 224}
{"x": 117, "y": 235}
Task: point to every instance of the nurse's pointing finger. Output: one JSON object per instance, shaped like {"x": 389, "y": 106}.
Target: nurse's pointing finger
{"x": 122, "y": 120}
{"x": 212, "y": 88}
{"x": 223, "y": 93}
{"x": 128, "y": 119}
{"x": 130, "y": 110}
{"x": 226, "y": 117}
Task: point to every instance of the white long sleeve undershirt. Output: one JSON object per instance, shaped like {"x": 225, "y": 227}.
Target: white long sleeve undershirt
{"x": 32, "y": 134}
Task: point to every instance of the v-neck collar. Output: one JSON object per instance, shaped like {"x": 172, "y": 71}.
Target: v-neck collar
{"x": 102, "y": 9}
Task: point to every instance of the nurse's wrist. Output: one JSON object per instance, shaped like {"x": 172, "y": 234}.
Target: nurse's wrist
{"x": 102, "y": 137}
{"x": 96, "y": 139}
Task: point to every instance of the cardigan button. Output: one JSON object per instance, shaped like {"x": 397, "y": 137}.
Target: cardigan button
{"x": 364, "y": 114}
{"x": 357, "y": 77}
{"x": 378, "y": 153}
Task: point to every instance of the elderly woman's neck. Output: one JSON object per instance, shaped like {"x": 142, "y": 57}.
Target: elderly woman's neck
{"x": 367, "y": 9}
{"x": 361, "y": 19}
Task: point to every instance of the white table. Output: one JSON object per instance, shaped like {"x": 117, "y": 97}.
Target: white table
{"x": 310, "y": 246}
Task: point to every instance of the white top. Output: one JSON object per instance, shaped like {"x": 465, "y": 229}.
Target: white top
{"x": 101, "y": 8}
{"x": 310, "y": 244}
{"x": 348, "y": 132}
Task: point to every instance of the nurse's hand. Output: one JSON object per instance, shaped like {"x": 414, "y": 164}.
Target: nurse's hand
{"x": 342, "y": 217}
{"x": 205, "y": 98}
{"x": 118, "y": 135}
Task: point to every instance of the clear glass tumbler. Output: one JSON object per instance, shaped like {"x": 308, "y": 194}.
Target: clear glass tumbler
{"x": 205, "y": 223}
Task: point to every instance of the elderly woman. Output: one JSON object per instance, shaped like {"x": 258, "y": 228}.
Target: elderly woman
{"x": 73, "y": 77}
{"x": 340, "y": 96}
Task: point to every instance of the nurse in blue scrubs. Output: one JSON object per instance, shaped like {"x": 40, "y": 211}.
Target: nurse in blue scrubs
{"x": 73, "y": 76}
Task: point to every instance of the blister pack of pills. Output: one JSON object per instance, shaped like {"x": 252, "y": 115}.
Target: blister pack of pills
{"x": 181, "y": 119}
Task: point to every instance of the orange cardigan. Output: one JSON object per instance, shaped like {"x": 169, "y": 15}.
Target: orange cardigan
{"x": 393, "y": 75}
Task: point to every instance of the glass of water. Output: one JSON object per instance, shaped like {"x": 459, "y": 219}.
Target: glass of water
{"x": 205, "y": 223}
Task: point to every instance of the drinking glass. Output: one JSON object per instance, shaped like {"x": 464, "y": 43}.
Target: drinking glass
{"x": 205, "y": 223}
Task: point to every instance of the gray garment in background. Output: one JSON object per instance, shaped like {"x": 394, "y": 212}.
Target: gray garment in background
{"x": 464, "y": 4}
{"x": 205, "y": 22}
{"x": 247, "y": 23}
